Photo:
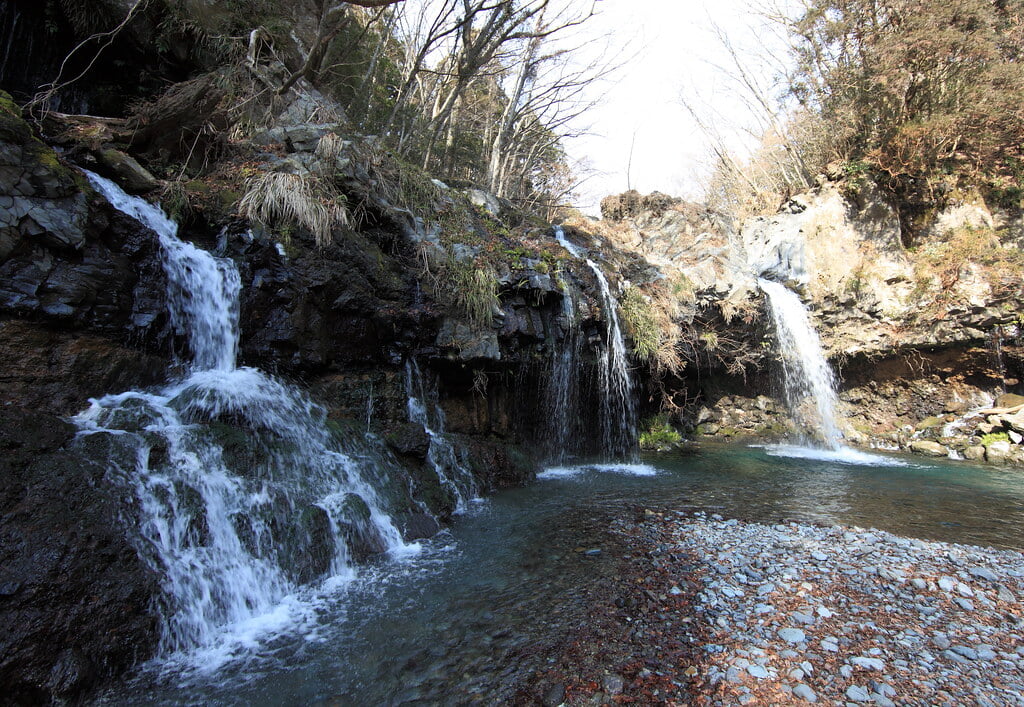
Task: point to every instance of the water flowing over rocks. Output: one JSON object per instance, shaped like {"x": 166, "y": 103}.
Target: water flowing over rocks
{"x": 88, "y": 311}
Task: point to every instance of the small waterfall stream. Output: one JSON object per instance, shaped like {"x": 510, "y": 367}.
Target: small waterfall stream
{"x": 561, "y": 392}
{"x": 807, "y": 374}
{"x": 618, "y": 409}
{"x": 453, "y": 474}
{"x": 237, "y": 491}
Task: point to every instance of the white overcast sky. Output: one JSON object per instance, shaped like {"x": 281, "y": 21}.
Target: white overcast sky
{"x": 673, "y": 49}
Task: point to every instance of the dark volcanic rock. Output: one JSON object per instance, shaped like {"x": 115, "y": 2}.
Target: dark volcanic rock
{"x": 409, "y": 439}
{"x": 82, "y": 304}
{"x": 58, "y": 371}
{"x": 343, "y": 305}
{"x": 74, "y": 595}
{"x": 498, "y": 464}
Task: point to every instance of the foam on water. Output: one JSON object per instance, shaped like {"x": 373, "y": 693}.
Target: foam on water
{"x": 560, "y": 472}
{"x": 627, "y": 469}
{"x": 842, "y": 455}
{"x": 568, "y": 472}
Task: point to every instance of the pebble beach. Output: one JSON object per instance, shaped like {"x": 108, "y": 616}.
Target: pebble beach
{"x": 833, "y": 615}
{"x": 713, "y": 611}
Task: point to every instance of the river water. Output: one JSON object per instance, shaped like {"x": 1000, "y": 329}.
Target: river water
{"x": 460, "y": 621}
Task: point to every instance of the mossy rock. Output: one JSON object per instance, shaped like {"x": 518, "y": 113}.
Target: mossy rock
{"x": 50, "y": 178}
{"x": 929, "y": 422}
{"x": 13, "y": 128}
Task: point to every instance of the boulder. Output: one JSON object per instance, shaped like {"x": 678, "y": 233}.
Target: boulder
{"x": 409, "y": 439}
{"x": 126, "y": 171}
{"x": 1009, "y": 400}
{"x": 929, "y": 422}
{"x": 485, "y": 200}
{"x": 416, "y": 526}
{"x": 974, "y": 452}
{"x": 928, "y": 448}
{"x": 998, "y": 452}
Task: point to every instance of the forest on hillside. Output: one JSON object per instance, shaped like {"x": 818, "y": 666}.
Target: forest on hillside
{"x": 923, "y": 96}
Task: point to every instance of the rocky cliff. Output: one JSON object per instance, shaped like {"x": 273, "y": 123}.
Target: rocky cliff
{"x": 921, "y": 321}
{"x": 415, "y": 270}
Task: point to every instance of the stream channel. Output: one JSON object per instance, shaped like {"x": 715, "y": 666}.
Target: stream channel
{"x": 464, "y": 619}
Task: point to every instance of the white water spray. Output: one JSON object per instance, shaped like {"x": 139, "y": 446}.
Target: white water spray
{"x": 239, "y": 491}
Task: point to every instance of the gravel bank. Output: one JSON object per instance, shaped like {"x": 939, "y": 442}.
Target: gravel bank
{"x": 700, "y": 610}
{"x": 803, "y": 614}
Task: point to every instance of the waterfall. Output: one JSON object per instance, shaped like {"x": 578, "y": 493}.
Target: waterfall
{"x": 235, "y": 488}
{"x": 618, "y": 409}
{"x": 806, "y": 373}
{"x": 202, "y": 291}
{"x": 561, "y": 395}
{"x": 996, "y": 357}
{"x": 454, "y": 476}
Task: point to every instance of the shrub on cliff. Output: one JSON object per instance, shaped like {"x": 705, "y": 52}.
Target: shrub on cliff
{"x": 917, "y": 89}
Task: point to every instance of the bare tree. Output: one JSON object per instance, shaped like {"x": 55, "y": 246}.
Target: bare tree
{"x": 332, "y": 19}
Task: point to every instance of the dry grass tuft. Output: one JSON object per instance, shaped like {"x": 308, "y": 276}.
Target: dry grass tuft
{"x": 652, "y": 321}
{"x": 287, "y": 199}
{"x": 330, "y": 148}
{"x": 472, "y": 289}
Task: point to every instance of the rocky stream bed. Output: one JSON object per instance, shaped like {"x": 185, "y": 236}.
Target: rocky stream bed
{"x": 709, "y": 611}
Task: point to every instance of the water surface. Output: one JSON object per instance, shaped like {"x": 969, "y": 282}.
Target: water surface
{"x": 466, "y": 618}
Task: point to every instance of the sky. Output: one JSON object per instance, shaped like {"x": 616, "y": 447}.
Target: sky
{"x": 672, "y": 50}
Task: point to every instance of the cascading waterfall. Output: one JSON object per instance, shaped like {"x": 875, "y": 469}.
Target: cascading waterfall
{"x": 807, "y": 374}
{"x": 238, "y": 490}
{"x": 618, "y": 409}
{"x": 454, "y": 477}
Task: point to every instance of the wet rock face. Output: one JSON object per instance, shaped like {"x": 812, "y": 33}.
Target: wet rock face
{"x": 70, "y": 264}
{"x": 348, "y": 304}
{"x": 74, "y": 595}
{"x": 58, "y": 371}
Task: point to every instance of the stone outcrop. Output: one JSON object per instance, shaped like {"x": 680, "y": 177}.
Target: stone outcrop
{"x": 842, "y": 247}
{"x": 75, "y": 599}
{"x": 81, "y": 285}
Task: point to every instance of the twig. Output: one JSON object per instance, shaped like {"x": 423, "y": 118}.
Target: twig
{"x": 44, "y": 97}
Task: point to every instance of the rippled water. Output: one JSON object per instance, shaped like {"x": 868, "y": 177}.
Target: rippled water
{"x": 461, "y": 621}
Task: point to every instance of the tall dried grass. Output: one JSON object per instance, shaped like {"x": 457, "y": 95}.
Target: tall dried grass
{"x": 280, "y": 198}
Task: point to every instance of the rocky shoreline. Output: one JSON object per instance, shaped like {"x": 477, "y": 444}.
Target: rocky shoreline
{"x": 748, "y": 613}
